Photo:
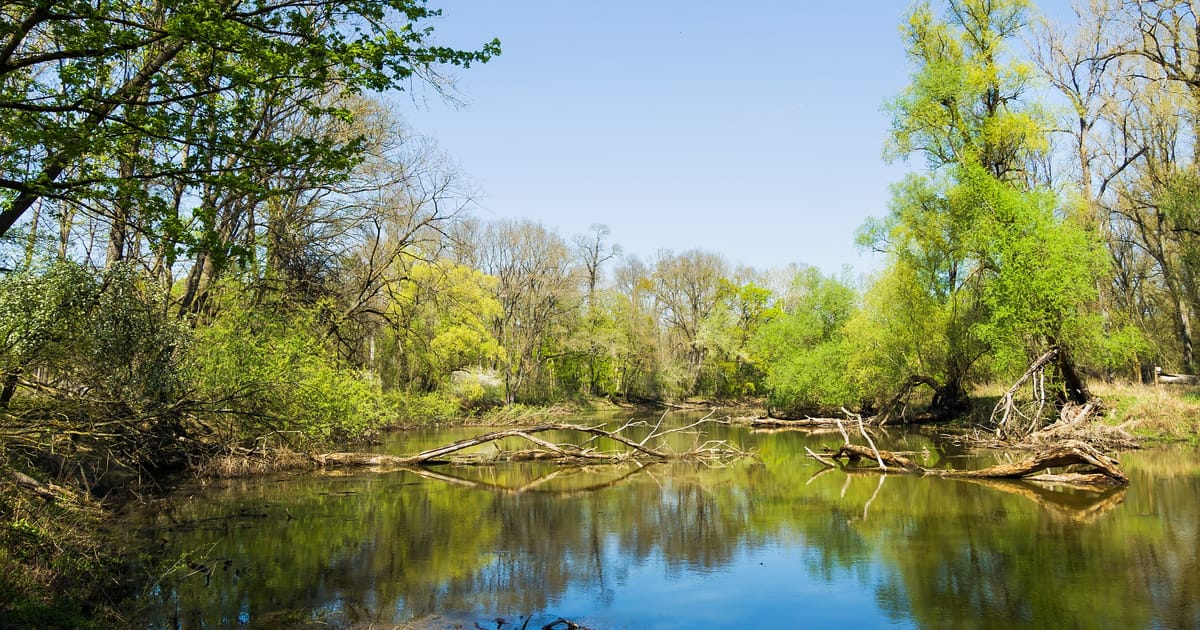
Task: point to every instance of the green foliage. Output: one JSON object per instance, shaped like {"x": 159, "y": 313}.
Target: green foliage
{"x": 1041, "y": 270}
{"x": 984, "y": 272}
{"x": 963, "y": 105}
{"x": 191, "y": 76}
{"x": 266, "y": 373}
{"x": 440, "y": 321}
{"x": 104, "y": 334}
{"x": 804, "y": 349}
{"x": 406, "y": 409}
{"x": 476, "y": 391}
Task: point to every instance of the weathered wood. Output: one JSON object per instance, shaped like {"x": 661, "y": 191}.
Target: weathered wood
{"x": 802, "y": 423}
{"x": 854, "y": 452}
{"x": 1068, "y": 453}
{"x": 1006, "y": 411}
{"x": 1104, "y": 470}
{"x": 545, "y": 450}
{"x": 1178, "y": 379}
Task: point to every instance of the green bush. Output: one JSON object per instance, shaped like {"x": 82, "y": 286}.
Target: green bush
{"x": 262, "y": 373}
{"x": 98, "y": 335}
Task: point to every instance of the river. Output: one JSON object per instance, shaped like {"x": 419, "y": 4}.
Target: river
{"x": 771, "y": 541}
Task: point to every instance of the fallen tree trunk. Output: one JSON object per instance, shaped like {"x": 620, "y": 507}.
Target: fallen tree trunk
{"x": 800, "y": 423}
{"x": 546, "y": 450}
{"x": 1068, "y": 453}
{"x": 855, "y": 453}
{"x": 1101, "y": 469}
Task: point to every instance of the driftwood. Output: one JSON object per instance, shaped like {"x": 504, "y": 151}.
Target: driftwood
{"x": 711, "y": 450}
{"x": 1103, "y": 469}
{"x": 1100, "y": 469}
{"x": 855, "y": 453}
{"x": 1176, "y": 379}
{"x": 800, "y": 423}
{"x": 1008, "y": 417}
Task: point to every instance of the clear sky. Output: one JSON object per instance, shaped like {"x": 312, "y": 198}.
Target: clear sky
{"x": 751, "y": 129}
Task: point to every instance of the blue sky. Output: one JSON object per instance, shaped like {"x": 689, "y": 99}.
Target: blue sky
{"x": 751, "y": 129}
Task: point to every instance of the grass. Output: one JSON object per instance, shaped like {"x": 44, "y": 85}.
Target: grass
{"x": 57, "y": 568}
{"x": 1163, "y": 413}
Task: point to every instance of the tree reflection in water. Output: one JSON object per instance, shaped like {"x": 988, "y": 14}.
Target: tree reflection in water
{"x": 640, "y": 545}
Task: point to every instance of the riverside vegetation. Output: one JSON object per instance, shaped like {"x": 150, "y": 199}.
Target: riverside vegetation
{"x": 210, "y": 254}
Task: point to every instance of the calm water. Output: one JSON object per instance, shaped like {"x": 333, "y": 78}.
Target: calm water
{"x": 772, "y": 542}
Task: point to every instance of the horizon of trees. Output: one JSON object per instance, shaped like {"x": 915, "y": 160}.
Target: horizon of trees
{"x": 283, "y": 256}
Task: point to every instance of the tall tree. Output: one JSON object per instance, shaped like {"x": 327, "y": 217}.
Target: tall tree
{"x": 686, "y": 289}
{"x": 537, "y": 289}
{"x": 972, "y": 232}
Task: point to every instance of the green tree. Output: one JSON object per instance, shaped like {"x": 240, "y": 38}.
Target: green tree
{"x": 538, "y": 291}
{"x": 802, "y": 347}
{"x": 975, "y": 235}
{"x": 687, "y": 288}
{"x": 85, "y": 85}
{"x": 439, "y": 320}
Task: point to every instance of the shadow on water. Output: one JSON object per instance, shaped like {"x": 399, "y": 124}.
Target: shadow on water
{"x": 757, "y": 543}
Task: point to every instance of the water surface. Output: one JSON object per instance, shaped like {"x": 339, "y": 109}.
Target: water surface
{"x": 765, "y": 542}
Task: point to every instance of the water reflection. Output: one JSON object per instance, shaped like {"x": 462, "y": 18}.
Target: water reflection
{"x": 756, "y": 543}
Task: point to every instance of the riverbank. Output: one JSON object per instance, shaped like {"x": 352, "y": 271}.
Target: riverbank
{"x": 61, "y": 567}
{"x": 1162, "y": 414}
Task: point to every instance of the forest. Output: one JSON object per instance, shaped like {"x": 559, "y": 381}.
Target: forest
{"x": 217, "y": 235}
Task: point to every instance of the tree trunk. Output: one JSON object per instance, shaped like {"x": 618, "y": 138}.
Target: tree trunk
{"x": 10, "y": 387}
{"x": 1076, "y": 386}
{"x": 1183, "y": 325}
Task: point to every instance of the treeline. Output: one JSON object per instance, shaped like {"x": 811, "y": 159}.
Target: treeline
{"x": 215, "y": 232}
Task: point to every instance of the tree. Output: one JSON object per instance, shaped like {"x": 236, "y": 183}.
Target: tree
{"x": 974, "y": 234}
{"x": 686, "y": 289}
{"x": 439, "y": 321}
{"x": 537, "y": 289}
{"x": 86, "y": 85}
{"x": 803, "y": 349}
{"x": 595, "y": 337}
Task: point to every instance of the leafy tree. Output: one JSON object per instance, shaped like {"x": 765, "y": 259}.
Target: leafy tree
{"x": 803, "y": 348}
{"x": 997, "y": 270}
{"x": 86, "y": 85}
{"x": 267, "y": 371}
{"x": 687, "y": 288}
{"x": 439, "y": 321}
{"x": 637, "y": 351}
{"x": 538, "y": 291}
{"x": 725, "y": 334}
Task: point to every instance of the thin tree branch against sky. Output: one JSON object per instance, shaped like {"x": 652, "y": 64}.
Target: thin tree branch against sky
{"x": 750, "y": 129}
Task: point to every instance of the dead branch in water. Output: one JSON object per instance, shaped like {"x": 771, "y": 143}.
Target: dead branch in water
{"x": 1096, "y": 469}
{"x": 1102, "y": 468}
{"x": 545, "y": 450}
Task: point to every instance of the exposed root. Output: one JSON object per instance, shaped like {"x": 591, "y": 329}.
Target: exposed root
{"x": 1017, "y": 418}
